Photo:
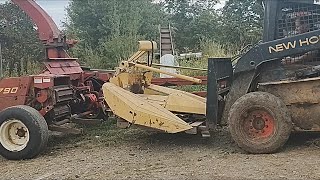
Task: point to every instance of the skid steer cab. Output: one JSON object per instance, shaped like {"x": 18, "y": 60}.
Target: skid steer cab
{"x": 273, "y": 88}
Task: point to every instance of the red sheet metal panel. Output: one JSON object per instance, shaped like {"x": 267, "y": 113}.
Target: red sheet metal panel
{"x": 43, "y": 82}
{"x": 63, "y": 67}
{"x": 14, "y": 91}
{"x": 104, "y": 76}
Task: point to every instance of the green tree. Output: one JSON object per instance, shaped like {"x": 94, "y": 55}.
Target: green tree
{"x": 20, "y": 44}
{"x": 109, "y": 30}
{"x": 193, "y": 21}
{"x": 241, "y": 24}
{"x": 203, "y": 27}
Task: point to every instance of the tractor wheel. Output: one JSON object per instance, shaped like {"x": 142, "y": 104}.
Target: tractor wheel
{"x": 23, "y": 133}
{"x": 259, "y": 122}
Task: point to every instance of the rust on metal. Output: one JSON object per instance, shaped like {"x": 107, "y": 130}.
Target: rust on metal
{"x": 64, "y": 67}
{"x": 14, "y": 91}
{"x": 259, "y": 124}
{"x": 301, "y": 97}
{"x": 295, "y": 92}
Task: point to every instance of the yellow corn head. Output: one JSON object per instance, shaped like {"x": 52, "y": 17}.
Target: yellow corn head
{"x": 131, "y": 96}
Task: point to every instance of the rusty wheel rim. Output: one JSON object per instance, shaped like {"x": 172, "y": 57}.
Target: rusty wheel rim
{"x": 258, "y": 125}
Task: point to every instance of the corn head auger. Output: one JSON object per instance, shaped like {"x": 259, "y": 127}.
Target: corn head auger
{"x": 131, "y": 96}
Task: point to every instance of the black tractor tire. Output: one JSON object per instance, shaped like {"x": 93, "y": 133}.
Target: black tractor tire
{"x": 26, "y": 123}
{"x": 260, "y": 123}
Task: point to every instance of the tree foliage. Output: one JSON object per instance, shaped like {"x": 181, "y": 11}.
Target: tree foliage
{"x": 241, "y": 24}
{"x": 193, "y": 21}
{"x": 20, "y": 45}
{"x": 110, "y": 29}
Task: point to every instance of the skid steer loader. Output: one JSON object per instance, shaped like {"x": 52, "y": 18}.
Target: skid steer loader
{"x": 263, "y": 95}
{"x": 273, "y": 88}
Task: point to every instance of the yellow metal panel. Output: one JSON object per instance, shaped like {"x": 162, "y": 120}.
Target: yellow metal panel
{"x": 148, "y": 77}
{"x": 136, "y": 110}
{"x": 180, "y": 101}
{"x": 148, "y": 91}
{"x": 137, "y": 55}
{"x": 121, "y": 80}
{"x": 188, "y": 78}
{"x": 147, "y": 45}
{"x": 155, "y": 99}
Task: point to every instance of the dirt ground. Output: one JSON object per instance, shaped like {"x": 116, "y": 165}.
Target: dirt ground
{"x": 108, "y": 153}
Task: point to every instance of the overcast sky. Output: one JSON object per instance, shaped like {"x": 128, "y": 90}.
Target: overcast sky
{"x": 56, "y": 8}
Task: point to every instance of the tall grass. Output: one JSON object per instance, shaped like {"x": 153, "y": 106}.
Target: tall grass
{"x": 23, "y": 69}
{"x": 209, "y": 48}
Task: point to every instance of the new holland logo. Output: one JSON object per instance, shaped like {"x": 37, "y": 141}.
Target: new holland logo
{"x": 293, "y": 44}
{"x": 13, "y": 90}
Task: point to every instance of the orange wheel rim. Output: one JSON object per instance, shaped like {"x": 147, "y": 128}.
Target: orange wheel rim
{"x": 258, "y": 125}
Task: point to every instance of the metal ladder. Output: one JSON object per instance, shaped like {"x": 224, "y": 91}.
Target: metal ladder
{"x": 166, "y": 43}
